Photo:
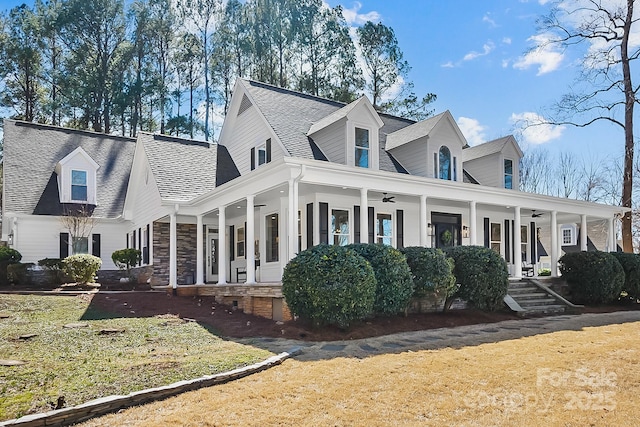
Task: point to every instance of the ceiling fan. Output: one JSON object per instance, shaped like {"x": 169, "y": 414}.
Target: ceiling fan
{"x": 536, "y": 215}
{"x": 388, "y": 199}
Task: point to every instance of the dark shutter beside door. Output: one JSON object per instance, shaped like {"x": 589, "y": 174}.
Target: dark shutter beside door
{"x": 145, "y": 252}
{"x": 507, "y": 241}
{"x": 533, "y": 243}
{"x": 372, "y": 225}
{"x": 309, "y": 225}
{"x": 324, "y": 223}
{"x": 400, "y": 227}
{"x": 232, "y": 243}
{"x": 64, "y": 245}
{"x": 487, "y": 231}
{"x": 95, "y": 245}
{"x": 356, "y": 224}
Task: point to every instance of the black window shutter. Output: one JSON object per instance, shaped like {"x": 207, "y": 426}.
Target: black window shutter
{"x": 324, "y": 223}
{"x": 64, "y": 245}
{"x": 400, "y": 227}
{"x": 253, "y": 158}
{"x": 356, "y": 224}
{"x": 127, "y": 239}
{"x": 507, "y": 241}
{"x": 95, "y": 245}
{"x": 245, "y": 240}
{"x": 487, "y": 231}
{"x": 140, "y": 243}
{"x": 513, "y": 239}
{"x": 309, "y": 225}
{"x": 145, "y": 254}
{"x": 232, "y": 243}
{"x": 533, "y": 243}
{"x": 372, "y": 225}
{"x": 133, "y": 240}
{"x": 268, "y": 146}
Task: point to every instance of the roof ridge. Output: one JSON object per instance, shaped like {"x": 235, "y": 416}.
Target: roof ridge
{"x": 69, "y": 130}
{"x": 178, "y": 140}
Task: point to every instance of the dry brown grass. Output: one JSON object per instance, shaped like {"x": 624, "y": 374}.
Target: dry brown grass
{"x": 568, "y": 378}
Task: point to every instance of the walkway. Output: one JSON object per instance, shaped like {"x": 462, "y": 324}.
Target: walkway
{"x": 441, "y": 338}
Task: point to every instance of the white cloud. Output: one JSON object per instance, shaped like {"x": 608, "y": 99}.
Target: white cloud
{"x": 505, "y": 63}
{"x": 533, "y": 128}
{"x": 486, "y": 49}
{"x": 472, "y": 130}
{"x": 448, "y": 64}
{"x": 506, "y": 40}
{"x": 486, "y": 18}
{"x": 547, "y": 57}
{"x": 353, "y": 17}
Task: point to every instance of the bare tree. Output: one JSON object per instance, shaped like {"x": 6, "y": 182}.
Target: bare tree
{"x": 79, "y": 221}
{"x": 535, "y": 171}
{"x": 604, "y": 89}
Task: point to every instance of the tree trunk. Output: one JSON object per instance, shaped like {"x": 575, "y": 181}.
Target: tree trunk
{"x": 627, "y": 185}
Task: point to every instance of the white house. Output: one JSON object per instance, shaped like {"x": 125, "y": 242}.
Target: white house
{"x": 289, "y": 171}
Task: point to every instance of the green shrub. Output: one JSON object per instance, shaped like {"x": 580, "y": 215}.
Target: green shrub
{"x": 54, "y": 268}
{"x": 431, "y": 270}
{"x": 593, "y": 277}
{"x": 631, "y": 265}
{"x": 482, "y": 275}
{"x": 82, "y": 268}
{"x": 124, "y": 259}
{"x": 329, "y": 285}
{"x": 544, "y": 272}
{"x": 394, "y": 286}
{"x": 7, "y": 256}
{"x": 18, "y": 273}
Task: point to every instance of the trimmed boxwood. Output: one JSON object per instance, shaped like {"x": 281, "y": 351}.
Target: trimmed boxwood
{"x": 593, "y": 277}
{"x": 82, "y": 268}
{"x": 631, "y": 265}
{"x": 329, "y": 285}
{"x": 482, "y": 275}
{"x": 394, "y": 286}
{"x": 8, "y": 256}
{"x": 431, "y": 271}
{"x": 18, "y": 273}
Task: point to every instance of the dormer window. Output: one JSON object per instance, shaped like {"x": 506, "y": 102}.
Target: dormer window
{"x": 261, "y": 154}
{"x": 444, "y": 161}
{"x": 362, "y": 148}
{"x": 508, "y": 173}
{"x": 79, "y": 186}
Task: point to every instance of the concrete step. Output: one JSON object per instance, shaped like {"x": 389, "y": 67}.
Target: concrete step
{"x": 529, "y": 295}
{"x": 524, "y": 291}
{"x": 546, "y": 309}
{"x": 536, "y": 302}
{"x": 519, "y": 284}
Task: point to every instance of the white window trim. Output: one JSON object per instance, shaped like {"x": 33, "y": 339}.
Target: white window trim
{"x": 504, "y": 173}
{"x": 241, "y": 227}
{"x": 393, "y": 228}
{"x": 262, "y": 146}
{"x": 350, "y": 154}
{"x": 64, "y": 170}
{"x": 86, "y": 172}
{"x": 280, "y": 256}
{"x": 574, "y": 234}
{"x": 349, "y": 222}
{"x": 491, "y": 241}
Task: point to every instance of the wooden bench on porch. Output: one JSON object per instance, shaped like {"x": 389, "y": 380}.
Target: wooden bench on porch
{"x": 242, "y": 271}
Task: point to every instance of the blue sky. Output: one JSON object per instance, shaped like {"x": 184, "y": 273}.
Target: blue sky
{"x": 471, "y": 54}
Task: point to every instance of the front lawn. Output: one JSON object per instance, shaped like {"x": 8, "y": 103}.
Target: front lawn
{"x": 81, "y": 353}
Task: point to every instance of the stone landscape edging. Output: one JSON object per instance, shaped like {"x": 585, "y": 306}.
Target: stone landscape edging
{"x": 105, "y": 405}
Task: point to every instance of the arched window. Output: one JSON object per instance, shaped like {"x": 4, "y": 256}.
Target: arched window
{"x": 444, "y": 161}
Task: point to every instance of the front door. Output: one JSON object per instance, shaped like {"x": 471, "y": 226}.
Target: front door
{"x": 212, "y": 255}
{"x": 446, "y": 230}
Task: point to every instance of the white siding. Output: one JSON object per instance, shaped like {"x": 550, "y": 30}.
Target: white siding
{"x": 413, "y": 156}
{"x": 487, "y": 170}
{"x": 38, "y": 237}
{"x": 332, "y": 141}
{"x": 249, "y": 130}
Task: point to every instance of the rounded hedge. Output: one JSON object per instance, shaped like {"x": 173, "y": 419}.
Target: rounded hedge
{"x": 394, "y": 286}
{"x": 9, "y": 255}
{"x": 482, "y": 275}
{"x": 431, "y": 271}
{"x": 329, "y": 285}
{"x": 593, "y": 277}
{"x": 631, "y": 265}
{"x": 82, "y": 268}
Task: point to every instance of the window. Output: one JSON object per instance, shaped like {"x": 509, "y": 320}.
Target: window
{"x": 271, "y": 227}
{"x": 299, "y": 232}
{"x": 444, "y": 158}
{"x": 80, "y": 245}
{"x": 524, "y": 240}
{"x": 455, "y": 169}
{"x": 496, "y": 237}
{"x": 508, "y": 173}
{"x": 145, "y": 245}
{"x": 384, "y": 229}
{"x": 261, "y": 154}
{"x": 79, "y": 185}
{"x": 362, "y": 148}
{"x": 240, "y": 242}
{"x": 340, "y": 227}
{"x": 566, "y": 236}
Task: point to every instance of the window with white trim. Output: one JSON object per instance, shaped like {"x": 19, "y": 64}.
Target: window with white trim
{"x": 261, "y": 154}
{"x": 568, "y": 235}
{"x": 79, "y": 185}
{"x": 508, "y": 173}
{"x": 340, "y": 227}
{"x": 272, "y": 238}
{"x": 384, "y": 229}
{"x": 240, "y": 242}
{"x": 444, "y": 163}
{"x": 362, "y": 148}
{"x": 496, "y": 237}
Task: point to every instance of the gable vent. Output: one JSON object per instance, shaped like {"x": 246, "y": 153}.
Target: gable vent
{"x": 244, "y": 105}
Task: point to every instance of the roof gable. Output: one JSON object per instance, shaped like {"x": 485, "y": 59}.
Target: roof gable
{"x": 362, "y": 102}
{"x": 491, "y": 147}
{"x": 78, "y": 152}
{"x": 423, "y": 128}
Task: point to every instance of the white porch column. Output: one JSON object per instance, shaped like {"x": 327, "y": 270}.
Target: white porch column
{"x": 583, "y": 233}
{"x": 554, "y": 244}
{"x": 473, "y": 220}
{"x": 423, "y": 220}
{"x": 292, "y": 229}
{"x": 250, "y": 239}
{"x": 199, "y": 251}
{"x": 517, "y": 244}
{"x": 612, "y": 236}
{"x": 222, "y": 246}
{"x": 364, "y": 216}
{"x": 173, "y": 249}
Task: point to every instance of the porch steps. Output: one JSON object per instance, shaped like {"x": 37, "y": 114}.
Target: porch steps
{"x": 533, "y": 299}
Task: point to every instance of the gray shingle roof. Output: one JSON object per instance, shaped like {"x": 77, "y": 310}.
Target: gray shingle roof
{"x": 291, "y": 114}
{"x": 31, "y": 152}
{"x": 183, "y": 169}
{"x": 485, "y": 149}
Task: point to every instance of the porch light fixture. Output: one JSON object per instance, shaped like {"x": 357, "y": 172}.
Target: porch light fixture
{"x": 10, "y": 239}
{"x": 465, "y": 231}
{"x": 430, "y": 229}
